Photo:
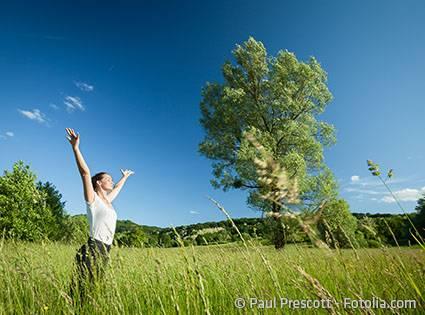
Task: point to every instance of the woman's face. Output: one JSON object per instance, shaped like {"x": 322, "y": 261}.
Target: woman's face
{"x": 106, "y": 183}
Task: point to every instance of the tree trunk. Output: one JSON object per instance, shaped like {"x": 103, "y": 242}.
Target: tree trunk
{"x": 279, "y": 237}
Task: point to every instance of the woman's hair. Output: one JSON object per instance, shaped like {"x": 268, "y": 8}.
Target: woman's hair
{"x": 97, "y": 177}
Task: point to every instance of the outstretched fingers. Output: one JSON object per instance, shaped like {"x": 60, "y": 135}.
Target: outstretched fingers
{"x": 127, "y": 172}
{"x": 71, "y": 132}
{"x": 72, "y": 137}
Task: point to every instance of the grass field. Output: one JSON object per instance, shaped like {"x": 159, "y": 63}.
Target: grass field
{"x": 208, "y": 279}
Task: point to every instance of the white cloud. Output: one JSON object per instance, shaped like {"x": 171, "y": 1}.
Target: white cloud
{"x": 84, "y": 86}
{"x": 364, "y": 191}
{"x": 35, "y": 114}
{"x": 193, "y": 212}
{"x": 6, "y": 135}
{"x": 407, "y": 194}
{"x": 373, "y": 182}
{"x": 54, "y": 106}
{"x": 72, "y": 103}
{"x": 355, "y": 178}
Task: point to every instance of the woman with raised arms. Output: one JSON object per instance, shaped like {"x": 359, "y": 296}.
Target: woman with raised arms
{"x": 99, "y": 192}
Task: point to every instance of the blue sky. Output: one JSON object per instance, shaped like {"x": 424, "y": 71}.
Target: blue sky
{"x": 128, "y": 77}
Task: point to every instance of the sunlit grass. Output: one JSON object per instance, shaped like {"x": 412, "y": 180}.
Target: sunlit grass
{"x": 208, "y": 279}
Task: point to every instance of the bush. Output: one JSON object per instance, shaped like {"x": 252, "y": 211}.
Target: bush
{"x": 337, "y": 225}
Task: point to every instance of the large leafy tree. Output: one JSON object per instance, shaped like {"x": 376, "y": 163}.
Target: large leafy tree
{"x": 277, "y": 99}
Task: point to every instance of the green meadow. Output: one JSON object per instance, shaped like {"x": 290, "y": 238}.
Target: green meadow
{"x": 210, "y": 279}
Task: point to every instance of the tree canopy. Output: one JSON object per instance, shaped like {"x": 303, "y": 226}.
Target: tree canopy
{"x": 277, "y": 99}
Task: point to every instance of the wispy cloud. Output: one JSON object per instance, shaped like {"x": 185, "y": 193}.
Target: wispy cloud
{"x": 355, "y": 178}
{"x": 35, "y": 114}
{"x": 84, "y": 86}
{"x": 359, "y": 197}
{"x": 193, "y": 212}
{"x": 364, "y": 191}
{"x": 407, "y": 194}
{"x": 72, "y": 103}
{"x": 372, "y": 182}
{"x": 6, "y": 135}
{"x": 415, "y": 157}
{"x": 54, "y": 106}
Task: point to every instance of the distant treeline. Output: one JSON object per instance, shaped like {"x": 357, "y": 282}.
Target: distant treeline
{"x": 372, "y": 231}
{"x": 34, "y": 211}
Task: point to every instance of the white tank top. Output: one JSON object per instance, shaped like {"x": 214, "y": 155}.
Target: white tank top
{"x": 102, "y": 220}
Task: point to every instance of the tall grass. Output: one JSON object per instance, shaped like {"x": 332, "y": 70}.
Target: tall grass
{"x": 207, "y": 279}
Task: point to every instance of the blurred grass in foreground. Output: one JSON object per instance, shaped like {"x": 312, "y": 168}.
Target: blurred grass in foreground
{"x": 208, "y": 279}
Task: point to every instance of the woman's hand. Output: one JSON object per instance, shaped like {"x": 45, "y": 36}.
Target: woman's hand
{"x": 114, "y": 193}
{"x": 127, "y": 173}
{"x": 73, "y": 138}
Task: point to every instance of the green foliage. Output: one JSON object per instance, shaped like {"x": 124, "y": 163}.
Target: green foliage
{"x": 219, "y": 237}
{"x": 165, "y": 240}
{"x": 131, "y": 238}
{"x": 24, "y": 211}
{"x": 337, "y": 225}
{"x": 367, "y": 233}
{"x": 394, "y": 230}
{"x": 77, "y": 229}
{"x": 53, "y": 200}
{"x": 363, "y": 230}
{"x": 277, "y": 99}
{"x": 420, "y": 216}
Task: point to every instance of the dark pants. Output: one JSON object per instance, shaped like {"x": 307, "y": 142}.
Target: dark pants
{"x": 90, "y": 264}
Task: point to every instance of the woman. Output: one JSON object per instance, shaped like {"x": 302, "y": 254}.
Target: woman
{"x": 99, "y": 192}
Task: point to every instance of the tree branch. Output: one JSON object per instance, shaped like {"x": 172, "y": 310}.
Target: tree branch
{"x": 251, "y": 186}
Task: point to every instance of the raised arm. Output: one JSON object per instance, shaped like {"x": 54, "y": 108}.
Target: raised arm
{"x": 117, "y": 188}
{"x": 84, "y": 170}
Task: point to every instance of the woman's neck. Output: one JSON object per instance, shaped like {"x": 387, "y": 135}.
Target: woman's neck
{"x": 101, "y": 193}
